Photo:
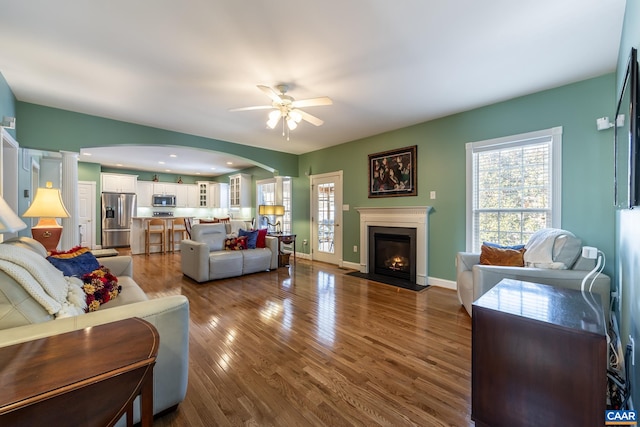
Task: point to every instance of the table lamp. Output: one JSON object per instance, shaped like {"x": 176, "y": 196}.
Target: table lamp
{"x": 271, "y": 210}
{"x": 47, "y": 205}
{"x": 10, "y": 222}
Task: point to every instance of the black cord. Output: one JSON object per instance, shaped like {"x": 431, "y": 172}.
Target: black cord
{"x": 627, "y": 375}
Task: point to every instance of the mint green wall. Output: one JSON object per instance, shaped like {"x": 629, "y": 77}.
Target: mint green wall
{"x": 48, "y": 128}
{"x": 587, "y": 167}
{"x": 7, "y": 103}
{"x": 627, "y": 259}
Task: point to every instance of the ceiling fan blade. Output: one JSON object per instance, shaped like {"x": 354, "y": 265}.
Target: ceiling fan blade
{"x": 271, "y": 93}
{"x": 256, "y": 107}
{"x": 312, "y": 102}
{"x": 309, "y": 118}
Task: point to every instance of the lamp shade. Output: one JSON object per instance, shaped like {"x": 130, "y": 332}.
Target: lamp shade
{"x": 47, "y": 204}
{"x": 10, "y": 222}
{"x": 271, "y": 210}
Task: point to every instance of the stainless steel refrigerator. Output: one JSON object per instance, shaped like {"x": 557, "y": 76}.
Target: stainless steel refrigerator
{"x": 117, "y": 215}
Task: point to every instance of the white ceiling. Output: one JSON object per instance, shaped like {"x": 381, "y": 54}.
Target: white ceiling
{"x": 386, "y": 64}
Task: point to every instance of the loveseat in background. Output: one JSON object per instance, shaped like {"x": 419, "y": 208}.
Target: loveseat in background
{"x": 204, "y": 258}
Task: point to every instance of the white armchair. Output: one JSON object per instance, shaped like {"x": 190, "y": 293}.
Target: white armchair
{"x": 474, "y": 279}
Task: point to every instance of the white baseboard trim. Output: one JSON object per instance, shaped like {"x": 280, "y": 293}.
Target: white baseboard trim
{"x": 302, "y": 255}
{"x": 433, "y": 281}
{"x": 443, "y": 283}
{"x": 351, "y": 265}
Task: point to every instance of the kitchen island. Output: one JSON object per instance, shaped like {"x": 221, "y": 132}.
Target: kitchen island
{"x": 138, "y": 227}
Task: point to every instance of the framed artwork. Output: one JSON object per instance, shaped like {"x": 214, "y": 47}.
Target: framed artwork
{"x": 393, "y": 173}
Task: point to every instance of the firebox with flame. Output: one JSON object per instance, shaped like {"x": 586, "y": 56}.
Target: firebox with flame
{"x": 397, "y": 263}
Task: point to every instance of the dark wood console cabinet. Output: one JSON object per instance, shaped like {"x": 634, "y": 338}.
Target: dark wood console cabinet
{"x": 539, "y": 357}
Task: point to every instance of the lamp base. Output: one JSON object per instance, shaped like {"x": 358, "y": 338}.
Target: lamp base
{"x": 47, "y": 232}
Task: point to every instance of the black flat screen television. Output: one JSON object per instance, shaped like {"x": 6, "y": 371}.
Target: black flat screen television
{"x": 627, "y": 149}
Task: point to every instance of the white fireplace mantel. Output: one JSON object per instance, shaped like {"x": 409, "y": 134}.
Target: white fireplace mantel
{"x": 410, "y": 217}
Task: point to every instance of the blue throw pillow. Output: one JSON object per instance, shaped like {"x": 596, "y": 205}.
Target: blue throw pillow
{"x": 495, "y": 245}
{"x": 252, "y": 237}
{"x": 75, "y": 262}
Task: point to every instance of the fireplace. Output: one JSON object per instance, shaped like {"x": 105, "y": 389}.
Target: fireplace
{"x": 397, "y": 217}
{"x": 392, "y": 252}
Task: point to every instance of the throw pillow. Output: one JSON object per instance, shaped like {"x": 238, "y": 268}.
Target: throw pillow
{"x": 76, "y": 261}
{"x": 496, "y": 245}
{"x": 261, "y": 241}
{"x": 235, "y": 243}
{"x": 100, "y": 286}
{"x": 491, "y": 255}
{"x": 252, "y": 237}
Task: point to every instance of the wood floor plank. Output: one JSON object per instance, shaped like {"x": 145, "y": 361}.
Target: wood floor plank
{"x": 309, "y": 345}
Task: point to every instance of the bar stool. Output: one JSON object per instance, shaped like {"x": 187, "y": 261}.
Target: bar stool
{"x": 177, "y": 226}
{"x": 155, "y": 226}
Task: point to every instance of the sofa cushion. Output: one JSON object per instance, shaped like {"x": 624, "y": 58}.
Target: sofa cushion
{"x": 492, "y": 255}
{"x": 252, "y": 237}
{"x": 212, "y": 235}
{"x": 129, "y": 294}
{"x": 225, "y": 264}
{"x": 75, "y": 262}
{"x": 255, "y": 260}
{"x": 17, "y": 306}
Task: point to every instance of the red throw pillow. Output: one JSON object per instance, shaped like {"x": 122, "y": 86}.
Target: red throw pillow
{"x": 262, "y": 238}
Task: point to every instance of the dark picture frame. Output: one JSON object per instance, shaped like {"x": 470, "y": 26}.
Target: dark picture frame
{"x": 393, "y": 173}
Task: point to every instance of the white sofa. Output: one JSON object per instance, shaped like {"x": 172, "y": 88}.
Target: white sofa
{"x": 23, "y": 319}
{"x": 204, "y": 258}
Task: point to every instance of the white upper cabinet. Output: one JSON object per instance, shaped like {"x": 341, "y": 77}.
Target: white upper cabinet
{"x": 240, "y": 190}
{"x": 118, "y": 183}
{"x": 145, "y": 193}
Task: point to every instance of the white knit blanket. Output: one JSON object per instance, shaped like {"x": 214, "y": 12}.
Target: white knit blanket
{"x": 539, "y": 249}
{"x": 59, "y": 295}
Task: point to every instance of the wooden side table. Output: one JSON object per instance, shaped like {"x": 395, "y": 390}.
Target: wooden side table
{"x": 88, "y": 377}
{"x": 287, "y": 239}
{"x": 539, "y": 357}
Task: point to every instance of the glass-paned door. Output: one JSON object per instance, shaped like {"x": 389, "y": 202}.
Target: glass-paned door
{"x": 326, "y": 218}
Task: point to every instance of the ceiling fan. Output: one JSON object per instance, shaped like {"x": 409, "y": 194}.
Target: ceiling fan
{"x": 287, "y": 108}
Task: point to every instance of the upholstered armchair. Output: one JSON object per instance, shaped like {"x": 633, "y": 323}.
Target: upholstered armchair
{"x": 474, "y": 279}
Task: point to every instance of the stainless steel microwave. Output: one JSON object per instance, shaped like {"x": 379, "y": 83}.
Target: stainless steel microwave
{"x": 164, "y": 200}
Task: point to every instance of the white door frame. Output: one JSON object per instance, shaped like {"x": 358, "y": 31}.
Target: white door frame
{"x": 337, "y": 238}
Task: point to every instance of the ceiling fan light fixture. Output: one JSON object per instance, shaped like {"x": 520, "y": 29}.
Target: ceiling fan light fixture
{"x": 296, "y": 116}
{"x": 272, "y": 123}
{"x": 291, "y": 123}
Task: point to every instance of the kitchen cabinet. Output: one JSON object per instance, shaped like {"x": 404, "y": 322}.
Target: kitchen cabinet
{"x": 145, "y": 193}
{"x": 165, "y": 188}
{"x": 213, "y": 194}
{"x": 118, "y": 183}
{"x": 183, "y": 196}
{"x": 239, "y": 190}
{"x": 193, "y": 200}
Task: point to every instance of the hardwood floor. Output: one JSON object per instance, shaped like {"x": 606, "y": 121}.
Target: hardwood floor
{"x": 311, "y": 346}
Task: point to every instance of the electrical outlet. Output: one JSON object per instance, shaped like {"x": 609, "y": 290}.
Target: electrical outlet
{"x": 304, "y": 242}
{"x": 589, "y": 252}
{"x": 355, "y": 248}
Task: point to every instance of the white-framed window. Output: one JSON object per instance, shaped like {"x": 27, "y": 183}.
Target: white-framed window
{"x": 513, "y": 187}
{"x": 275, "y": 191}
